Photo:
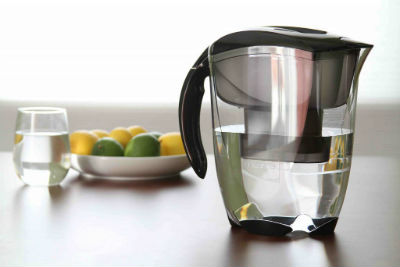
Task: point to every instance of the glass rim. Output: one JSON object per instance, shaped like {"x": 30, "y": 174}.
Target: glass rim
{"x": 41, "y": 110}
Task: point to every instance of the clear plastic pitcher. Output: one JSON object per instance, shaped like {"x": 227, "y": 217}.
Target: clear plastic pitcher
{"x": 283, "y": 106}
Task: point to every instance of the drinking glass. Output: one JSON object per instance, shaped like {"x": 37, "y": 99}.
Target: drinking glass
{"x": 41, "y": 146}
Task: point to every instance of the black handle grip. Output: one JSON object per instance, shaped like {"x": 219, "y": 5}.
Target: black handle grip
{"x": 189, "y": 114}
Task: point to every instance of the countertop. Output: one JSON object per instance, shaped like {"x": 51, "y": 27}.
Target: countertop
{"x": 182, "y": 222}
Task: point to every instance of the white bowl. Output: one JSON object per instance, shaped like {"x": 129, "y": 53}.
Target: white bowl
{"x": 137, "y": 168}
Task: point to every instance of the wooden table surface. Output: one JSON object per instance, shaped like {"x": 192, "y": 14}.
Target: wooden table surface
{"x": 182, "y": 222}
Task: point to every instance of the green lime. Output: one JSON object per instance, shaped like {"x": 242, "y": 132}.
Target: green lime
{"x": 143, "y": 145}
{"x": 156, "y": 134}
{"x": 107, "y": 146}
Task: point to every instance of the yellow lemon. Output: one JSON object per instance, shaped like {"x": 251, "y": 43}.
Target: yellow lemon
{"x": 171, "y": 144}
{"x": 136, "y": 129}
{"x": 100, "y": 133}
{"x": 122, "y": 135}
{"x": 82, "y": 142}
{"x": 18, "y": 138}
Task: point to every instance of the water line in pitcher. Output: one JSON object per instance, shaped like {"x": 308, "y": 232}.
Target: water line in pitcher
{"x": 278, "y": 187}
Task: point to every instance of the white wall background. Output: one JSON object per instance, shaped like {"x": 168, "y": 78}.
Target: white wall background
{"x": 140, "y": 51}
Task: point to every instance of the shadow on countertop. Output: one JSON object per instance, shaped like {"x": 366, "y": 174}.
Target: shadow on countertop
{"x": 241, "y": 249}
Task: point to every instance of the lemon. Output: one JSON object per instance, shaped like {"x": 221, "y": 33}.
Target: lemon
{"x": 143, "y": 145}
{"x": 107, "y": 146}
{"x": 171, "y": 144}
{"x": 18, "y": 138}
{"x": 82, "y": 142}
{"x": 122, "y": 135}
{"x": 136, "y": 129}
{"x": 100, "y": 133}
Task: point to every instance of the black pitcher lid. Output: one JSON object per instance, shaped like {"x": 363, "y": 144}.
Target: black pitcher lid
{"x": 294, "y": 37}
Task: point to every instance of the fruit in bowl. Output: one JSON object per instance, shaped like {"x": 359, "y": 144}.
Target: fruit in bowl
{"x": 82, "y": 142}
{"x": 134, "y": 141}
{"x": 127, "y": 153}
{"x": 156, "y": 134}
{"x": 136, "y": 129}
{"x": 122, "y": 135}
{"x": 107, "y": 146}
{"x": 171, "y": 144}
{"x": 143, "y": 145}
{"x": 100, "y": 133}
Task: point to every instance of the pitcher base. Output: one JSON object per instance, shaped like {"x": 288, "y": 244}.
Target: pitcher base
{"x": 279, "y": 226}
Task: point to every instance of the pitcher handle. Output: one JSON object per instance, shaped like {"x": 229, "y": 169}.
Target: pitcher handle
{"x": 189, "y": 114}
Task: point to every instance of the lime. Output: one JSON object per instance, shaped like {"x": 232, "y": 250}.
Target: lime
{"x": 107, "y": 146}
{"x": 156, "y": 134}
{"x": 143, "y": 145}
